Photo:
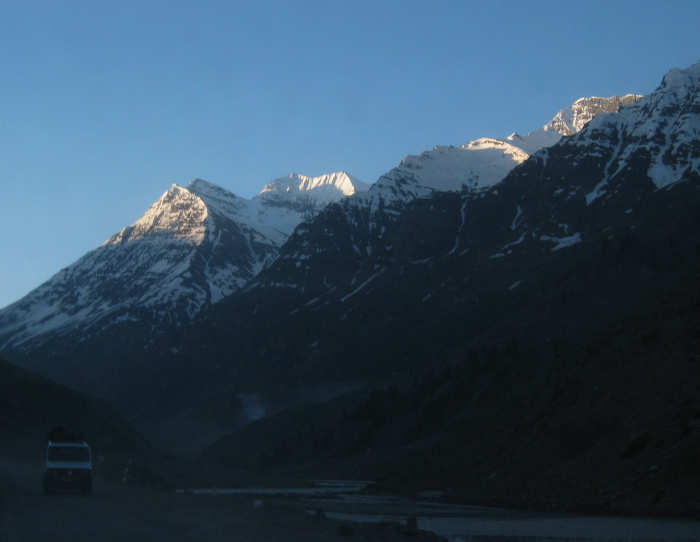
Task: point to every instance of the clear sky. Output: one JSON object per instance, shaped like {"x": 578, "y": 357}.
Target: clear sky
{"x": 105, "y": 104}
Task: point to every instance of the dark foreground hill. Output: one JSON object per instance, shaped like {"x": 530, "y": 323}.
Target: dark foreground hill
{"x": 30, "y": 405}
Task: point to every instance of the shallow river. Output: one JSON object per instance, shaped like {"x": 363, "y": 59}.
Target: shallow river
{"x": 344, "y": 500}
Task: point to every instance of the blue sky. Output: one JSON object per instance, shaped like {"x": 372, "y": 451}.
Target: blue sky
{"x": 105, "y": 104}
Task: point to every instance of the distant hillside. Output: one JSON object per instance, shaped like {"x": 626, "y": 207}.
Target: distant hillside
{"x": 31, "y": 405}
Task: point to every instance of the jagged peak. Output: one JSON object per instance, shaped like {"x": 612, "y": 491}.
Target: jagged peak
{"x": 572, "y": 119}
{"x": 627, "y": 99}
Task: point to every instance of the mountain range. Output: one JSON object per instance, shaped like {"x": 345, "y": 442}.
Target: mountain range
{"x": 502, "y": 317}
{"x": 199, "y": 244}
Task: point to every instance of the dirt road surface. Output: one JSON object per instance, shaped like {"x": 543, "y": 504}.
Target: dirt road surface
{"x": 118, "y": 512}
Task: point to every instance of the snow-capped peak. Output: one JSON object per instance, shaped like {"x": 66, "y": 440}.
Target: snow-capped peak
{"x": 486, "y": 161}
{"x": 326, "y": 188}
{"x": 179, "y": 213}
{"x": 679, "y": 77}
{"x": 663, "y": 123}
{"x": 219, "y": 200}
{"x": 192, "y": 247}
{"x": 281, "y": 205}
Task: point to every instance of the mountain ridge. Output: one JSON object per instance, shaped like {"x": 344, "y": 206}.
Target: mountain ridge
{"x": 359, "y": 222}
{"x": 514, "y": 221}
{"x": 521, "y": 346}
{"x": 178, "y": 224}
{"x": 348, "y": 251}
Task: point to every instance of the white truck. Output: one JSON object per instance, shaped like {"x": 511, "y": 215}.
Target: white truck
{"x": 68, "y": 462}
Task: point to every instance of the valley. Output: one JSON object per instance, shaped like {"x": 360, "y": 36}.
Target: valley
{"x": 513, "y": 323}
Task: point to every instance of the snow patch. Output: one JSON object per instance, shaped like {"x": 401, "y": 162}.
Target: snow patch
{"x": 562, "y": 242}
{"x": 361, "y": 286}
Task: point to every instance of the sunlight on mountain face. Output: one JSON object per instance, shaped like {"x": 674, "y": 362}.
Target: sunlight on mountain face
{"x": 474, "y": 297}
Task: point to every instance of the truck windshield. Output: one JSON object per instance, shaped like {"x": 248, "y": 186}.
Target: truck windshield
{"x": 78, "y": 454}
